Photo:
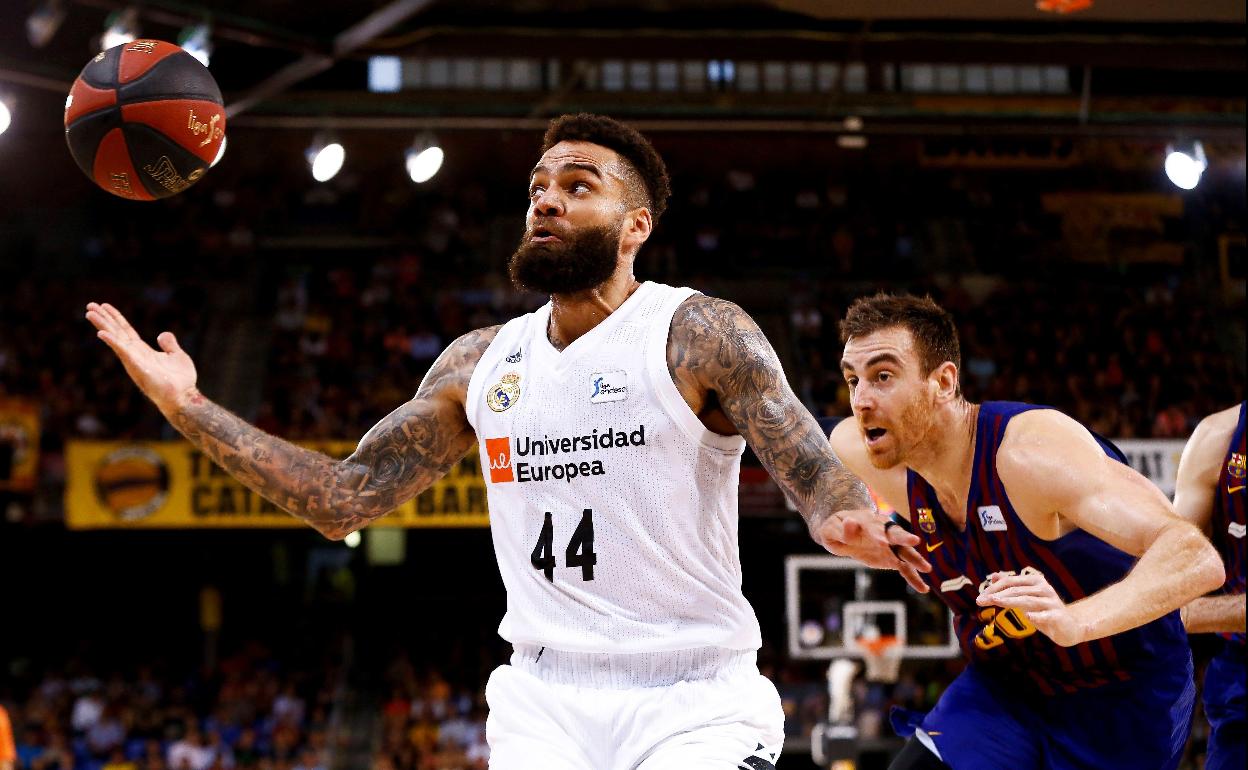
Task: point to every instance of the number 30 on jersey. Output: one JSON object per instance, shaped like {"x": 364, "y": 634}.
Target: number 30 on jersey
{"x": 579, "y": 553}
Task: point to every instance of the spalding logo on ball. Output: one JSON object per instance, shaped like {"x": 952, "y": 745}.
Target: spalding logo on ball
{"x": 144, "y": 120}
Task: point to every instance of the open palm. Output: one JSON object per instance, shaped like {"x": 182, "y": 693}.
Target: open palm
{"x": 165, "y": 376}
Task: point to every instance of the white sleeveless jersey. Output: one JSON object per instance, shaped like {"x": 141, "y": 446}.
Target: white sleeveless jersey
{"x": 613, "y": 509}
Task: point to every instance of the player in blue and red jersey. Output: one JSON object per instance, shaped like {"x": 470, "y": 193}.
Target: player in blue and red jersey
{"x": 1210, "y": 493}
{"x": 1064, "y": 568}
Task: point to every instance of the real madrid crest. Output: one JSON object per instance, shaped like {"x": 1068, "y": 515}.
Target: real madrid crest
{"x": 927, "y": 522}
{"x": 504, "y": 393}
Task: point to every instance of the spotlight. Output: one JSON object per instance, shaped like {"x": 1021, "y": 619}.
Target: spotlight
{"x": 120, "y": 27}
{"x": 352, "y": 540}
{"x": 1185, "y": 169}
{"x": 423, "y": 159}
{"x": 44, "y": 21}
{"x": 220, "y": 152}
{"x": 6, "y": 117}
{"x": 325, "y": 157}
{"x": 197, "y": 41}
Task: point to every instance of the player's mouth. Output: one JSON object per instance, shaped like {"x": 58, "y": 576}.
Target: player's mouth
{"x": 873, "y": 436}
{"x": 542, "y": 235}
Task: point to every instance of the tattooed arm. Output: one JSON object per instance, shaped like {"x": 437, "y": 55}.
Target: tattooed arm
{"x": 732, "y": 379}
{"x": 414, "y": 446}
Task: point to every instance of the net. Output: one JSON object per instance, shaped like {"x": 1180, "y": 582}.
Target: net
{"x": 882, "y": 656}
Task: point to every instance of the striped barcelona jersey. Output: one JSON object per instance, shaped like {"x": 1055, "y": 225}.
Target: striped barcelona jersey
{"x": 1228, "y": 515}
{"x": 995, "y": 540}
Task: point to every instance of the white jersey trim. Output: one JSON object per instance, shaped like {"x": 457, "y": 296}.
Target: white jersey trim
{"x": 623, "y": 671}
{"x": 505, "y": 336}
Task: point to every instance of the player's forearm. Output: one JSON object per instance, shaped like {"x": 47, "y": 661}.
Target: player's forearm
{"x": 800, "y": 459}
{"x": 330, "y": 496}
{"x": 1215, "y": 615}
{"x": 836, "y": 490}
{"x": 1179, "y": 566}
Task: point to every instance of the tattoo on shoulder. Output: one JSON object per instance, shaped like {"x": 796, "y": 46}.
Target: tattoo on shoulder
{"x": 456, "y": 364}
{"x": 716, "y": 343}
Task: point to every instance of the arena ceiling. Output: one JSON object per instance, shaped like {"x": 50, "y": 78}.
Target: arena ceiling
{"x": 275, "y": 56}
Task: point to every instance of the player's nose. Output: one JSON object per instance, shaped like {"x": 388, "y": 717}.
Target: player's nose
{"x": 860, "y": 400}
{"x": 549, "y": 204}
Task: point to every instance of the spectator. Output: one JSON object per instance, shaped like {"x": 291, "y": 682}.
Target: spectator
{"x": 192, "y": 751}
{"x": 117, "y": 761}
{"x": 8, "y": 747}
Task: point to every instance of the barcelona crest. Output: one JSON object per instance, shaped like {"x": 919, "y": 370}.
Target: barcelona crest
{"x": 927, "y": 522}
{"x": 1235, "y": 465}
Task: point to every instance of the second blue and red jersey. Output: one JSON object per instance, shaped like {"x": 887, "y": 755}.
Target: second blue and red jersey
{"x": 1226, "y": 701}
{"x": 1076, "y": 565}
{"x": 1228, "y": 524}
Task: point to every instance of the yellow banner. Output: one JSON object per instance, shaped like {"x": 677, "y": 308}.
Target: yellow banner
{"x": 19, "y": 444}
{"x": 172, "y": 485}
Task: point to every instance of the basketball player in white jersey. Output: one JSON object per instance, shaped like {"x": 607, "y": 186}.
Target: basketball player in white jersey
{"x": 611, "y": 424}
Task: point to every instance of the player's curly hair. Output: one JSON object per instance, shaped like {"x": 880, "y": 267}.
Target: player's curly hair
{"x": 652, "y": 186}
{"x": 931, "y": 327}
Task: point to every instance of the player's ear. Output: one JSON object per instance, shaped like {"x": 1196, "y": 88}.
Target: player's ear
{"x": 637, "y": 226}
{"x": 946, "y": 379}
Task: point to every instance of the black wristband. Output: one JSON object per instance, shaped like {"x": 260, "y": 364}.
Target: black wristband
{"x": 893, "y": 523}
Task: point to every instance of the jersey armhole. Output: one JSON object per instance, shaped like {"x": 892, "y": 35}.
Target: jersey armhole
{"x": 475, "y": 383}
{"x": 665, "y": 390}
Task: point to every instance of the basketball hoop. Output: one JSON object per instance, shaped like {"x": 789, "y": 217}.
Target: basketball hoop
{"x": 882, "y": 655}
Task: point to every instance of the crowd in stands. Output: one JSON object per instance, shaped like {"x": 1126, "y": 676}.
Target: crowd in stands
{"x": 429, "y": 723}
{"x": 348, "y": 331}
{"x": 1129, "y": 362}
{"x": 249, "y": 713}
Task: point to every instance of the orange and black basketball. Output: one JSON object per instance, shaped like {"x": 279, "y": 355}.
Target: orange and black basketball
{"x": 144, "y": 120}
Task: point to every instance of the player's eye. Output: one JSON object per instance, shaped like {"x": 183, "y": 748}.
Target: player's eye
{"x": 536, "y": 190}
{"x": 852, "y": 382}
{"x": 581, "y": 187}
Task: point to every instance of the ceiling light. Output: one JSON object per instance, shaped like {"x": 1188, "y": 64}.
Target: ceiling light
{"x": 423, "y": 159}
{"x": 197, "y": 41}
{"x": 120, "y": 28}
{"x": 1184, "y": 169}
{"x": 325, "y": 157}
{"x": 44, "y": 21}
{"x": 6, "y": 117}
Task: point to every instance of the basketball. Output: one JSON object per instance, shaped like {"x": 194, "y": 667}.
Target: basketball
{"x": 144, "y": 120}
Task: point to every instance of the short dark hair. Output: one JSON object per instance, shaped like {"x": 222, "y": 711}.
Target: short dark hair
{"x": 652, "y": 182}
{"x": 930, "y": 325}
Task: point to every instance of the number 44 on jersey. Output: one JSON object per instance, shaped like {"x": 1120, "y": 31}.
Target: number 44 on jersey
{"x": 580, "y": 551}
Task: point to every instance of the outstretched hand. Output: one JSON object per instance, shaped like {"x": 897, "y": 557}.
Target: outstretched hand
{"x": 166, "y": 376}
{"x": 863, "y": 536}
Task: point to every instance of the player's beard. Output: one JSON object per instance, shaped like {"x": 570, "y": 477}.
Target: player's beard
{"x": 572, "y": 264}
{"x": 915, "y": 428}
